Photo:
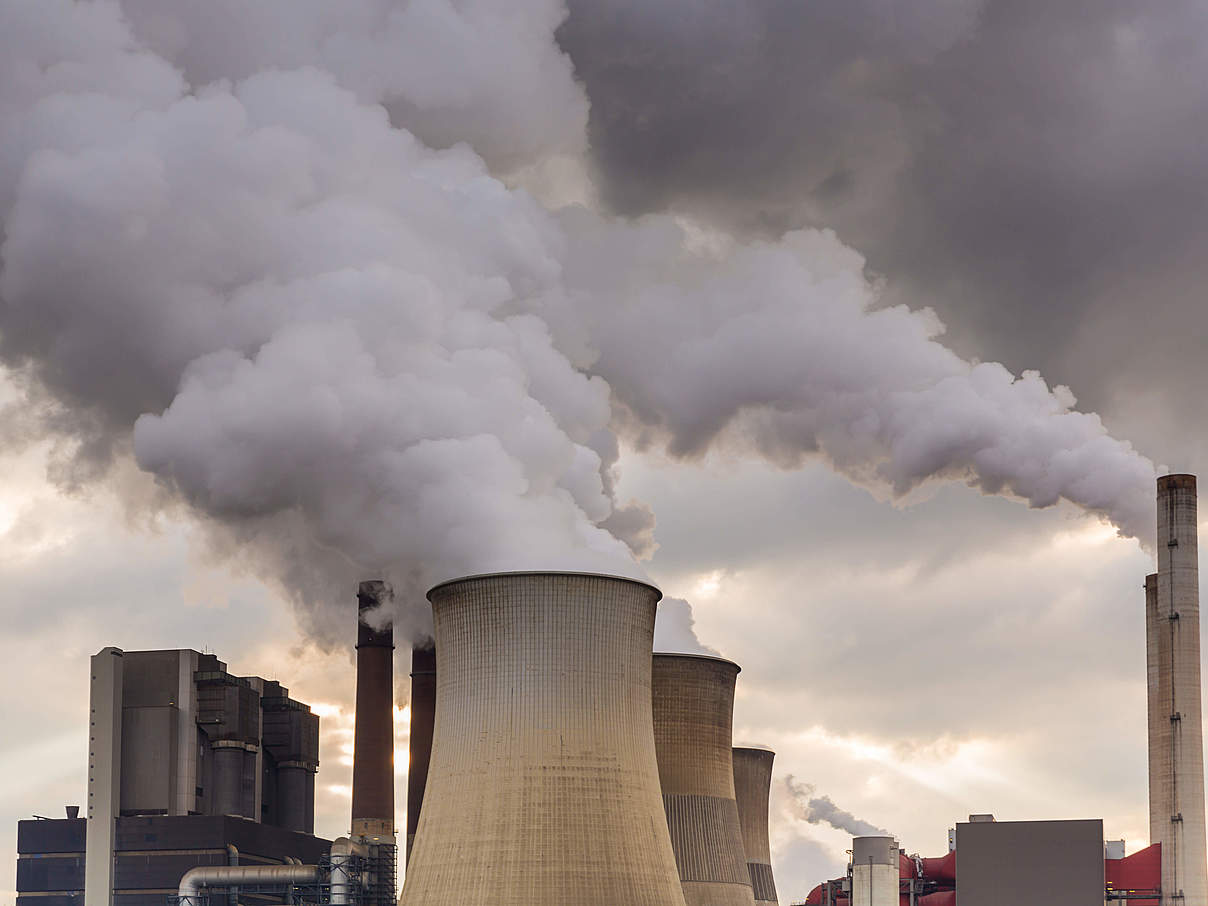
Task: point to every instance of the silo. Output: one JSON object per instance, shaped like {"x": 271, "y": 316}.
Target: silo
{"x": 752, "y": 785}
{"x": 693, "y": 698}
{"x": 874, "y": 871}
{"x": 1176, "y": 742}
{"x": 543, "y": 786}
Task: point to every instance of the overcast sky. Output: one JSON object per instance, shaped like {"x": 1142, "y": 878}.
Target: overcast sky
{"x": 679, "y": 366}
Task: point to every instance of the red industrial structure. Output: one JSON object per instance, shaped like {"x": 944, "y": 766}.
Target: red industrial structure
{"x": 932, "y": 882}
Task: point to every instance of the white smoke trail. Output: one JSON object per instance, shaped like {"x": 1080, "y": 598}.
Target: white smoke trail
{"x": 359, "y": 355}
{"x": 820, "y": 809}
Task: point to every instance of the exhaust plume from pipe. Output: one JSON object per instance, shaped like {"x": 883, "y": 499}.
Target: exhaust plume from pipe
{"x": 246, "y": 262}
{"x": 821, "y": 810}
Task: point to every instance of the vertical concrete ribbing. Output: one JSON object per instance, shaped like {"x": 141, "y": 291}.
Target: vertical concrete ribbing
{"x": 543, "y": 785}
{"x": 1177, "y": 819}
{"x": 752, "y": 786}
{"x": 693, "y": 700}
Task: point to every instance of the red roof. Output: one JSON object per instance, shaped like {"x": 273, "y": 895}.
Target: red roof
{"x": 1140, "y": 871}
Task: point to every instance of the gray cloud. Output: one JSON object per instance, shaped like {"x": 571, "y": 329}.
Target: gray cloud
{"x": 1032, "y": 170}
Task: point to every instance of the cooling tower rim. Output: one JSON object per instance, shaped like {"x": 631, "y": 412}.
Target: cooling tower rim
{"x": 766, "y": 750}
{"x": 544, "y": 572}
{"x": 1176, "y": 480}
{"x": 699, "y": 657}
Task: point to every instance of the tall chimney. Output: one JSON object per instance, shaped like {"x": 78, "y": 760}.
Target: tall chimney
{"x": 752, "y": 786}
{"x": 423, "y": 717}
{"x": 1176, "y": 743}
{"x": 373, "y": 743}
{"x": 543, "y": 787}
{"x": 693, "y": 699}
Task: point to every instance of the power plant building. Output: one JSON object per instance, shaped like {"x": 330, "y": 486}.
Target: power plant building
{"x": 188, "y": 766}
{"x": 543, "y": 788}
{"x": 693, "y": 701}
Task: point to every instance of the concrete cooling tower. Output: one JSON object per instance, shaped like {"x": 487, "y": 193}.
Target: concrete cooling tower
{"x": 1176, "y": 742}
{"x": 543, "y": 787}
{"x": 752, "y": 785}
{"x": 693, "y": 698}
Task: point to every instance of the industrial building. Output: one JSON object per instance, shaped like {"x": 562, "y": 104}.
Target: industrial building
{"x": 188, "y": 766}
{"x": 555, "y": 758}
{"x": 1067, "y": 863}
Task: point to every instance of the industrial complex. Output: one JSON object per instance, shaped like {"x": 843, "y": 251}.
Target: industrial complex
{"x": 556, "y": 759}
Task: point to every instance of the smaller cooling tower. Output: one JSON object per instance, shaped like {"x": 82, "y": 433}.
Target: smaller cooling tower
{"x": 874, "y": 871}
{"x": 693, "y": 699}
{"x": 752, "y": 785}
{"x": 543, "y": 786}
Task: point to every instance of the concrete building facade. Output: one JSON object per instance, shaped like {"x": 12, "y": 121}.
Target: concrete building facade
{"x": 543, "y": 786}
{"x": 693, "y": 701}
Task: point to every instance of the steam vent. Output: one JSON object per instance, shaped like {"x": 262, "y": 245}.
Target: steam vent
{"x": 1176, "y": 742}
{"x": 543, "y": 788}
{"x": 752, "y": 785}
{"x": 693, "y": 714}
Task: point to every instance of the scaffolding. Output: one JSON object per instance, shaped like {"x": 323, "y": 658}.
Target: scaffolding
{"x": 366, "y": 876}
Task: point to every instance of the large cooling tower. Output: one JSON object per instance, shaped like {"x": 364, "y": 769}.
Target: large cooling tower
{"x": 543, "y": 786}
{"x": 693, "y": 714}
{"x": 423, "y": 716}
{"x": 1176, "y": 742}
{"x": 752, "y": 784}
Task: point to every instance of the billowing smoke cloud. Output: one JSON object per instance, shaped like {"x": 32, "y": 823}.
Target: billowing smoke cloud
{"x": 1032, "y": 170}
{"x": 355, "y": 355}
{"x": 820, "y": 810}
{"x": 675, "y": 629}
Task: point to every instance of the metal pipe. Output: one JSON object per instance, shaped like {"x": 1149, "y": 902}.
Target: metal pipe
{"x": 342, "y": 851}
{"x": 228, "y": 875}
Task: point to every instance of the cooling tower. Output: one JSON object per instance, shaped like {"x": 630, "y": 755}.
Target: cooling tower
{"x": 693, "y": 698}
{"x": 423, "y": 716}
{"x": 1176, "y": 742}
{"x": 874, "y": 871}
{"x": 543, "y": 786}
{"x": 752, "y": 784}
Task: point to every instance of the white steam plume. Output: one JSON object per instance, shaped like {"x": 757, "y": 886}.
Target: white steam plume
{"x": 360, "y": 356}
{"x": 821, "y": 810}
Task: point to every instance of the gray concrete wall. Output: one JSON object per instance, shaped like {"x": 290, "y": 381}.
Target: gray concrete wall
{"x": 693, "y": 701}
{"x": 543, "y": 787}
{"x": 1040, "y": 863}
{"x": 752, "y": 786}
{"x": 1176, "y": 751}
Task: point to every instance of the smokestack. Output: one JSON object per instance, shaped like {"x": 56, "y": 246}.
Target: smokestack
{"x": 874, "y": 871}
{"x": 543, "y": 786}
{"x": 752, "y": 786}
{"x": 1176, "y": 742}
{"x": 373, "y": 745}
{"x": 423, "y": 716}
{"x": 693, "y": 697}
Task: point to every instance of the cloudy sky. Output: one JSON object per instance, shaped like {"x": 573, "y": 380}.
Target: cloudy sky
{"x": 801, "y": 305}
